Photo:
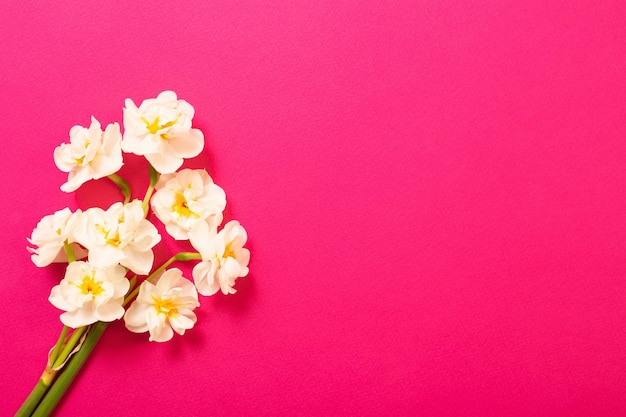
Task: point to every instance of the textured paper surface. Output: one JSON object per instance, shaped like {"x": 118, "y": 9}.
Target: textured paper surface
{"x": 434, "y": 194}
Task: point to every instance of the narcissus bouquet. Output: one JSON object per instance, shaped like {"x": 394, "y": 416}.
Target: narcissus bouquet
{"x": 110, "y": 272}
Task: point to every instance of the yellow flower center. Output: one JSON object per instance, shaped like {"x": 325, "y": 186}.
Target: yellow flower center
{"x": 182, "y": 209}
{"x": 165, "y": 306}
{"x": 114, "y": 240}
{"x": 228, "y": 251}
{"x": 89, "y": 285}
{"x": 154, "y": 126}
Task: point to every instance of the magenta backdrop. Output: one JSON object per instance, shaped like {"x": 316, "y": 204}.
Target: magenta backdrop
{"x": 435, "y": 195}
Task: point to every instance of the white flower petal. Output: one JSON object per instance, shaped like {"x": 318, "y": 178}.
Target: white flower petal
{"x": 161, "y": 307}
{"x": 160, "y": 129}
{"x": 159, "y": 329}
{"x": 205, "y": 278}
{"x": 110, "y": 311}
{"x": 164, "y": 163}
{"x": 50, "y": 235}
{"x": 56, "y": 299}
{"x": 79, "y": 318}
{"x": 88, "y": 294}
{"x": 77, "y": 177}
{"x": 223, "y": 255}
{"x": 135, "y": 317}
{"x": 91, "y": 154}
{"x": 201, "y": 237}
{"x": 105, "y": 256}
{"x": 138, "y": 262}
{"x": 119, "y": 235}
{"x": 186, "y": 144}
{"x": 180, "y": 323}
{"x": 188, "y": 197}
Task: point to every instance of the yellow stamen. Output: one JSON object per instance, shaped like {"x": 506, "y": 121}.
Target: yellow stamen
{"x": 115, "y": 240}
{"x": 154, "y": 126}
{"x": 182, "y": 209}
{"x": 228, "y": 251}
{"x": 89, "y": 285}
{"x": 165, "y": 306}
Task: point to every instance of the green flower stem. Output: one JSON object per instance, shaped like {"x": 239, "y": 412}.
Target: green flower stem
{"x": 69, "y": 346}
{"x": 182, "y": 256}
{"x": 31, "y": 402}
{"x": 154, "y": 178}
{"x": 57, "y": 347}
{"x": 60, "y": 353}
{"x": 69, "y": 252}
{"x": 34, "y": 405}
{"x": 132, "y": 281}
{"x": 48, "y": 375}
{"x": 188, "y": 256}
{"x": 67, "y": 375}
{"x": 132, "y": 292}
{"x": 122, "y": 185}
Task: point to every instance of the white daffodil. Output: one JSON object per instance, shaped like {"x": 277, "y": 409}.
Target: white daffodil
{"x": 185, "y": 198}
{"x": 224, "y": 259}
{"x": 120, "y": 234}
{"x": 88, "y": 294}
{"x": 50, "y": 236}
{"x": 91, "y": 154}
{"x": 164, "y": 308}
{"x": 160, "y": 129}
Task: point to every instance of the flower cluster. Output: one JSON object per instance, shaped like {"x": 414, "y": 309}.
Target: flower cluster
{"x": 109, "y": 251}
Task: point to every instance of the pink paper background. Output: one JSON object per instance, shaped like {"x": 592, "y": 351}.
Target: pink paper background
{"x": 435, "y": 196}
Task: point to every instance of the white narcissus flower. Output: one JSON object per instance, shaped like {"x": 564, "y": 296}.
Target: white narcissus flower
{"x": 164, "y": 308}
{"x": 160, "y": 129}
{"x": 185, "y": 198}
{"x": 50, "y": 236}
{"x": 224, "y": 259}
{"x": 120, "y": 234}
{"x": 91, "y": 154}
{"x": 88, "y": 294}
